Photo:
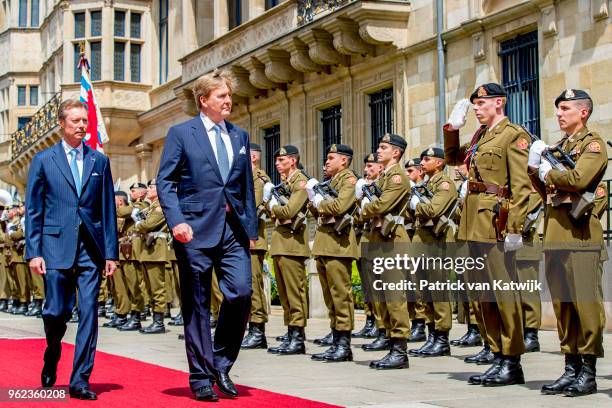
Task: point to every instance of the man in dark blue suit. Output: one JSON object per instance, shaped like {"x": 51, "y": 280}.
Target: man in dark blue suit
{"x": 71, "y": 236}
{"x": 205, "y": 188}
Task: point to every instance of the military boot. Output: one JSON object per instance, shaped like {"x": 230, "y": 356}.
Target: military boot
{"x": 256, "y": 338}
{"x": 328, "y": 340}
{"x": 584, "y": 384}
{"x": 483, "y": 357}
{"x": 117, "y": 321}
{"x": 342, "y": 352}
{"x": 382, "y": 342}
{"x": 397, "y": 357}
{"x": 431, "y": 338}
{"x": 367, "y": 328}
{"x": 573, "y": 365}
{"x": 321, "y": 356}
{"x": 510, "y": 373}
{"x": 157, "y": 326}
{"x": 440, "y": 347}
{"x": 417, "y": 331}
{"x": 283, "y": 343}
{"x": 296, "y": 343}
{"x": 133, "y": 323}
{"x": 491, "y": 371}
{"x": 531, "y": 340}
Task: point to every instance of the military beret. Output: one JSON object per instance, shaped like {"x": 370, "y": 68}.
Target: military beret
{"x": 341, "y": 149}
{"x": 572, "y": 95}
{"x": 433, "y": 152}
{"x": 370, "y": 158}
{"x": 286, "y": 151}
{"x": 413, "y": 162}
{"x": 152, "y": 182}
{"x": 394, "y": 140}
{"x": 490, "y": 90}
{"x": 121, "y": 194}
{"x": 137, "y": 185}
{"x": 254, "y": 147}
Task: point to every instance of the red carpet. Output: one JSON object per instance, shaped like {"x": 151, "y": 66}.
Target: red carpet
{"x": 122, "y": 382}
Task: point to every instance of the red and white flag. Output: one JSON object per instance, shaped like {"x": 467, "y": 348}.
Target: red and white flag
{"x": 96, "y": 135}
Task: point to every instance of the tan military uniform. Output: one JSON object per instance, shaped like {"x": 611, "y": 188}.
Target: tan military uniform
{"x": 154, "y": 253}
{"x": 334, "y": 252}
{"x": 440, "y": 313}
{"x": 580, "y": 322}
{"x": 130, "y": 248}
{"x": 26, "y": 283}
{"x": 259, "y": 306}
{"x": 289, "y": 251}
{"x": 5, "y": 290}
{"x": 497, "y": 177}
{"x": 121, "y": 293}
{"x": 395, "y": 186}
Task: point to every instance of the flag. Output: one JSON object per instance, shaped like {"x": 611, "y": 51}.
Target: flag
{"x": 96, "y": 135}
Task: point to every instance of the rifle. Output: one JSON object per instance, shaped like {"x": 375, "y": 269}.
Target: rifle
{"x": 581, "y": 204}
{"x": 282, "y": 194}
{"x": 444, "y": 220}
{"x": 328, "y": 193}
{"x": 373, "y": 192}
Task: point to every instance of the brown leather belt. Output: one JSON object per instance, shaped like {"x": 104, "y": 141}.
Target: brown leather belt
{"x": 482, "y": 187}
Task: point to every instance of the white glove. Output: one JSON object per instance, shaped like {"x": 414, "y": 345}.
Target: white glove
{"x": 365, "y": 201}
{"x": 535, "y": 153}
{"x": 414, "y": 201}
{"x": 272, "y": 203}
{"x": 463, "y": 190}
{"x": 545, "y": 167}
{"x": 513, "y": 242}
{"x": 267, "y": 191}
{"x": 457, "y": 117}
{"x": 309, "y": 188}
{"x": 316, "y": 200}
{"x": 359, "y": 188}
{"x": 136, "y": 214}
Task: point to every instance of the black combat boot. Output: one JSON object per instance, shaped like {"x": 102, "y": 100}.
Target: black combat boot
{"x": 531, "y": 340}
{"x": 283, "y": 343}
{"x": 101, "y": 309}
{"x": 417, "y": 331}
{"x": 510, "y": 373}
{"x": 491, "y": 371}
{"x": 367, "y": 328}
{"x": 296, "y": 343}
{"x": 484, "y": 356}
{"x": 382, "y": 342}
{"x": 431, "y": 338}
{"x": 36, "y": 309}
{"x": 75, "y": 316}
{"x": 321, "y": 356}
{"x": 584, "y": 384}
{"x": 397, "y": 357}
{"x": 3, "y": 305}
{"x": 282, "y": 337}
{"x": 342, "y": 352}
{"x": 256, "y": 338}
{"x": 133, "y": 323}
{"x": 177, "y": 320}
{"x": 117, "y": 321}
{"x": 573, "y": 365}
{"x": 328, "y": 340}
{"x": 21, "y": 309}
{"x": 440, "y": 347}
{"x": 157, "y": 326}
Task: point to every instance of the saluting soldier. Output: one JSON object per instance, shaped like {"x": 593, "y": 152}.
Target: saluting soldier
{"x": 428, "y": 214}
{"x": 394, "y": 186}
{"x": 289, "y": 249}
{"x": 121, "y": 295}
{"x": 494, "y": 211}
{"x": 374, "y": 325}
{"x": 256, "y": 336}
{"x": 154, "y": 255}
{"x": 573, "y": 240}
{"x": 335, "y": 248}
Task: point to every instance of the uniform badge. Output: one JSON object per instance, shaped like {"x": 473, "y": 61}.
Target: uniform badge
{"x": 430, "y": 152}
{"x": 386, "y": 138}
{"x": 445, "y": 186}
{"x": 601, "y": 192}
{"x": 569, "y": 94}
{"x": 333, "y": 149}
{"x": 522, "y": 143}
{"x": 370, "y": 157}
{"x": 594, "y": 147}
{"x": 411, "y": 162}
{"x": 482, "y": 92}
{"x": 396, "y": 179}
{"x": 352, "y": 180}
{"x": 302, "y": 184}
{"x": 282, "y": 151}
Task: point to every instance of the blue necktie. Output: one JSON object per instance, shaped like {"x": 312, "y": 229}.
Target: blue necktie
{"x": 75, "y": 170}
{"x": 222, "y": 158}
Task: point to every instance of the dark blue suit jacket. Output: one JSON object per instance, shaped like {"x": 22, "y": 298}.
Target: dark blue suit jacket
{"x": 191, "y": 189}
{"x": 54, "y": 210}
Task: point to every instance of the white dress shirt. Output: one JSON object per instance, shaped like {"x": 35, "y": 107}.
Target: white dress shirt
{"x": 208, "y": 125}
{"x": 79, "y": 156}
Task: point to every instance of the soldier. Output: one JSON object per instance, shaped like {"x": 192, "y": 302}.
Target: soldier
{"x": 18, "y": 264}
{"x": 121, "y": 294}
{"x": 428, "y": 213}
{"x": 416, "y": 309}
{"x": 289, "y": 248}
{"x": 335, "y": 248}
{"x": 216, "y": 298}
{"x": 394, "y": 185}
{"x": 256, "y": 336}
{"x": 154, "y": 256}
{"x": 5, "y": 290}
{"x": 130, "y": 249}
{"x": 374, "y": 325}
{"x": 494, "y": 211}
{"x": 573, "y": 240}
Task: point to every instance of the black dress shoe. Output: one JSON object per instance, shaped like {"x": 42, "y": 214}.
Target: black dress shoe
{"x": 532, "y": 343}
{"x": 226, "y": 385}
{"x": 205, "y": 393}
{"x": 584, "y": 384}
{"x": 83, "y": 394}
{"x": 510, "y": 373}
{"x": 328, "y": 340}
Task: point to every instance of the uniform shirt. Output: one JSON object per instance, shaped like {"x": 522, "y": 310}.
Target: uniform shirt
{"x": 208, "y": 125}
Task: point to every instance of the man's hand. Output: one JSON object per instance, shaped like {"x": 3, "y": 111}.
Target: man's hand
{"x": 182, "y": 233}
{"x": 267, "y": 191}
{"x": 252, "y": 243}
{"x": 359, "y": 188}
{"x": 37, "y": 265}
{"x": 414, "y": 201}
{"x": 457, "y": 116}
{"x": 110, "y": 267}
{"x": 513, "y": 242}
{"x": 535, "y": 153}
{"x": 544, "y": 169}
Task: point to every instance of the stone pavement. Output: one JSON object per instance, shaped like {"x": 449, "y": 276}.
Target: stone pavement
{"x": 433, "y": 382}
